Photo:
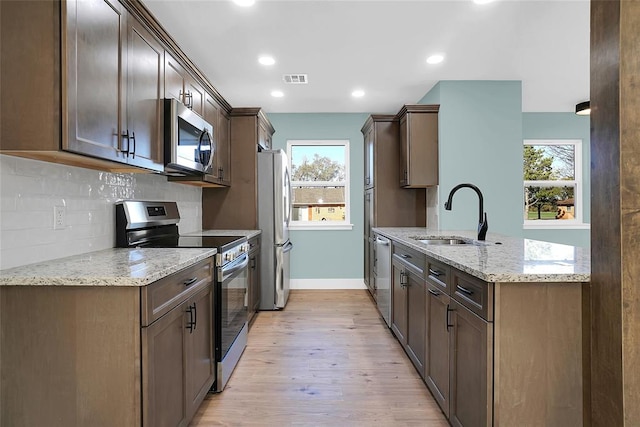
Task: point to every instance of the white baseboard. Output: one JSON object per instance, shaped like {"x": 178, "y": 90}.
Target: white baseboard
{"x": 327, "y": 284}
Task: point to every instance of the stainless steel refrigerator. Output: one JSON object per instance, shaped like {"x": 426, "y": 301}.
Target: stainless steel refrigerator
{"x": 274, "y": 215}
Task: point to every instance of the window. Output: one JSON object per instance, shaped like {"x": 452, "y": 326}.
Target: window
{"x": 319, "y": 184}
{"x": 552, "y": 183}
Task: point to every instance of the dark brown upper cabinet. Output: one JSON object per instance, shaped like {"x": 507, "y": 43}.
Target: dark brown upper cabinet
{"x": 179, "y": 84}
{"x": 98, "y": 73}
{"x": 418, "y": 146}
{"x": 218, "y": 117}
{"x": 114, "y": 112}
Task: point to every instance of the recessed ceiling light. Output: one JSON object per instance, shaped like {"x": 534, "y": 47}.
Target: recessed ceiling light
{"x": 482, "y": 1}
{"x": 266, "y": 60}
{"x": 357, "y": 93}
{"x": 277, "y": 94}
{"x": 244, "y": 3}
{"x": 435, "y": 59}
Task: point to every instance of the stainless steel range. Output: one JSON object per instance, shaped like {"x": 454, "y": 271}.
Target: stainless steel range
{"x": 154, "y": 224}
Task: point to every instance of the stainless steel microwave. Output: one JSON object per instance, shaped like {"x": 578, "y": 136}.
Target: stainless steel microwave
{"x": 189, "y": 147}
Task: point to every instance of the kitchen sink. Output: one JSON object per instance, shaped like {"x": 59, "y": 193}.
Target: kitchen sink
{"x": 442, "y": 241}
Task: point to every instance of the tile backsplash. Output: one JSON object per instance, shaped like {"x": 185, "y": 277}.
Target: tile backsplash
{"x": 30, "y": 189}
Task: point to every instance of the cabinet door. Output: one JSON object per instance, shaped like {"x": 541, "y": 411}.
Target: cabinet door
{"x": 368, "y": 235}
{"x": 404, "y": 151}
{"x": 416, "y": 322}
{"x": 419, "y": 147}
{"x": 163, "y": 355}
{"x": 436, "y": 368}
{"x": 211, "y": 115}
{"x": 145, "y": 70}
{"x": 254, "y": 284}
{"x": 174, "y": 79}
{"x": 196, "y": 95}
{"x": 372, "y": 267}
{"x": 200, "y": 366}
{"x": 224, "y": 147}
{"x": 399, "y": 302}
{"x": 96, "y": 31}
{"x": 264, "y": 136}
{"x": 369, "y": 169}
{"x": 471, "y": 373}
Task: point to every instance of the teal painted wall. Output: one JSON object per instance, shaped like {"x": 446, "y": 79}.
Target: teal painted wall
{"x": 481, "y": 128}
{"x": 563, "y": 126}
{"x": 328, "y": 254}
{"x": 480, "y": 142}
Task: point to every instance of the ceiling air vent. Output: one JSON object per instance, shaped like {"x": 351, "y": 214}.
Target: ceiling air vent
{"x": 295, "y": 79}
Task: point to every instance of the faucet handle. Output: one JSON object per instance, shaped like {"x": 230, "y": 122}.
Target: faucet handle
{"x": 482, "y": 228}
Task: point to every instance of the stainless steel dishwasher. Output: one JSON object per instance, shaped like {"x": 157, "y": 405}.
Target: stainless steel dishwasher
{"x": 382, "y": 273}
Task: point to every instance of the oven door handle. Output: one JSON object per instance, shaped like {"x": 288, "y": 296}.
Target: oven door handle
{"x": 227, "y": 271}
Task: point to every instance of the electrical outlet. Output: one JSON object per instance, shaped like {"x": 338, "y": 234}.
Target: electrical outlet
{"x": 59, "y": 217}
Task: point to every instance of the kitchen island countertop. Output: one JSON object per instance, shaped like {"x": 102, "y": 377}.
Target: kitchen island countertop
{"x": 500, "y": 258}
{"x": 108, "y": 267}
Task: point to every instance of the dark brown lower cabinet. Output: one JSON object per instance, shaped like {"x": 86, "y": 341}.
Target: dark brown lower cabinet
{"x": 399, "y": 302}
{"x": 163, "y": 347}
{"x": 199, "y": 363}
{"x": 408, "y": 316}
{"x": 470, "y": 369}
{"x": 180, "y": 369}
{"x": 416, "y": 323}
{"x": 492, "y": 352}
{"x": 253, "y": 293}
{"x": 436, "y": 369}
{"x": 107, "y": 355}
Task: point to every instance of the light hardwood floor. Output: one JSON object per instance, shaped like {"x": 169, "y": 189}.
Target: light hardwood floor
{"x": 328, "y": 359}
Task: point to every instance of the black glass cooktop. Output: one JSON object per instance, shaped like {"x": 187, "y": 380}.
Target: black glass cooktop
{"x": 219, "y": 242}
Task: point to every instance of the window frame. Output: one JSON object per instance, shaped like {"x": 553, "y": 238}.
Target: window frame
{"x": 330, "y": 224}
{"x": 577, "y": 183}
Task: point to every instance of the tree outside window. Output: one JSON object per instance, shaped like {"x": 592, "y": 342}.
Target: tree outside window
{"x": 552, "y": 175}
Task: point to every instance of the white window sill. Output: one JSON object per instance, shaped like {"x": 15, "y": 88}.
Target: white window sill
{"x": 321, "y": 226}
{"x": 555, "y": 225}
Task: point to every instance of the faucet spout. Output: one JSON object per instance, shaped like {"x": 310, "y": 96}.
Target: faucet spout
{"x": 483, "y": 225}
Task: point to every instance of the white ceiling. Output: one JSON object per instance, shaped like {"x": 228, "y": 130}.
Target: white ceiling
{"x": 381, "y": 47}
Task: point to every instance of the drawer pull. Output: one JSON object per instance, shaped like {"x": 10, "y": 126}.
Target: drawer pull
{"x": 190, "y": 281}
{"x": 434, "y": 293}
{"x": 405, "y": 256}
{"x": 464, "y": 290}
{"x": 435, "y": 272}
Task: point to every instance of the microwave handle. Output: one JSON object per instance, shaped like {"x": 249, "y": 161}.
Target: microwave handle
{"x": 202, "y": 134}
{"x": 209, "y": 166}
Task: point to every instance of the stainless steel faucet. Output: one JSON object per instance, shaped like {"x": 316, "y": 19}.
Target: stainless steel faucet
{"x": 483, "y": 225}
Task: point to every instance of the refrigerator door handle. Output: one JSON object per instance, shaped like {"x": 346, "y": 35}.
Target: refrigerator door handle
{"x": 288, "y": 202}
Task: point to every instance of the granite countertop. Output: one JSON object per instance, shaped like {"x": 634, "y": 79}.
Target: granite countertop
{"x": 247, "y": 233}
{"x": 108, "y": 267}
{"x": 501, "y": 258}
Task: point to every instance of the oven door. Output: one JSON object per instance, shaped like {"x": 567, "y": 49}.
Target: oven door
{"x": 233, "y": 280}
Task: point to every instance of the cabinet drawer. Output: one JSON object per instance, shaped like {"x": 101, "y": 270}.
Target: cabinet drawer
{"x": 473, "y": 293}
{"x": 160, "y": 297}
{"x": 410, "y": 257}
{"x": 438, "y": 274}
